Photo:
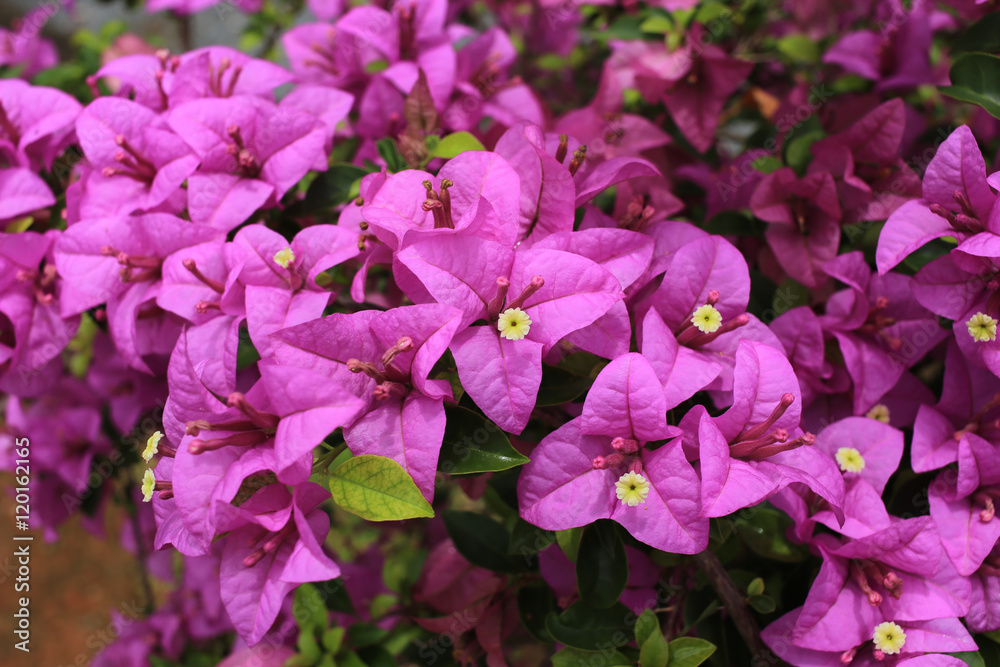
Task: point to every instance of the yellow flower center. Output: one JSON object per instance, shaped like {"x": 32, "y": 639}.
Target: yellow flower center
{"x": 514, "y": 324}
{"x": 707, "y": 319}
{"x": 284, "y": 257}
{"x": 982, "y": 328}
{"x": 148, "y": 483}
{"x": 632, "y": 488}
{"x": 850, "y": 459}
{"x": 152, "y": 444}
{"x": 880, "y": 413}
{"x": 889, "y": 638}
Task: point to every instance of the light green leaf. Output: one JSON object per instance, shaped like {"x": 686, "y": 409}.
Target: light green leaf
{"x": 689, "y": 652}
{"x": 378, "y": 489}
{"x": 456, "y": 143}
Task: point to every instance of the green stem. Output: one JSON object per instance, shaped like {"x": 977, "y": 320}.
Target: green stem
{"x": 323, "y": 462}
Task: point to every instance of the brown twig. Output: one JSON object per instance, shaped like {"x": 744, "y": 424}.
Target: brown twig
{"x": 732, "y": 600}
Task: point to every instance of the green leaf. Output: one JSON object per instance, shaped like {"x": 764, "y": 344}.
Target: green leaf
{"x": 569, "y": 542}
{"x": 333, "y": 187}
{"x": 389, "y": 151}
{"x": 971, "y": 658}
{"x": 376, "y": 66}
{"x": 560, "y": 386}
{"x": 377, "y": 488}
{"x": 584, "y": 627}
{"x": 308, "y": 647}
{"x": 731, "y": 223}
{"x": 762, "y": 603}
{"x": 534, "y": 604}
{"x": 309, "y": 609}
{"x": 481, "y": 540}
{"x": 975, "y": 78}
{"x": 402, "y": 569}
{"x": 982, "y": 36}
{"x": 764, "y": 534}
{"x": 646, "y": 626}
{"x": 756, "y": 587}
{"x": 657, "y": 25}
{"x": 766, "y": 164}
{"x": 574, "y": 657}
{"x": 455, "y": 144}
{"x": 799, "y": 49}
{"x": 654, "y": 652}
{"x": 365, "y": 634}
{"x": 526, "y": 539}
{"x": 601, "y": 565}
{"x": 798, "y": 151}
{"x": 689, "y": 652}
{"x": 333, "y": 639}
{"x": 246, "y": 352}
{"x": 474, "y": 444}
{"x": 993, "y": 634}
{"x": 18, "y": 226}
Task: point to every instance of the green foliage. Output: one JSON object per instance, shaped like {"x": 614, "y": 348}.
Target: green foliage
{"x": 584, "y": 627}
{"x": 482, "y": 541}
{"x": 377, "y": 489}
{"x": 474, "y": 444}
{"x": 601, "y": 565}
{"x": 975, "y": 78}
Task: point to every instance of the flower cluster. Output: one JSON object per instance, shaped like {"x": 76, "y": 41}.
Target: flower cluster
{"x": 590, "y": 270}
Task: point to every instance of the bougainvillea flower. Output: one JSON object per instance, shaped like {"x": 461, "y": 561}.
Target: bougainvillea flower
{"x": 805, "y": 222}
{"x": 697, "y": 97}
{"x": 22, "y": 192}
{"x": 957, "y": 202}
{"x": 263, "y": 564}
{"x": 704, "y": 276}
{"x": 863, "y": 448}
{"x": 556, "y": 179}
{"x": 414, "y": 205}
{"x": 923, "y": 640}
{"x": 24, "y": 48}
{"x": 963, "y": 508}
{"x": 984, "y": 612}
{"x": 590, "y": 467}
{"x": 252, "y": 152}
{"x": 138, "y": 163}
{"x": 561, "y": 292}
{"x": 970, "y": 404}
{"x": 36, "y": 123}
{"x": 872, "y": 179}
{"x": 897, "y": 56}
{"x": 384, "y": 358}
{"x": 896, "y": 574}
{"x": 756, "y": 448}
{"x": 484, "y": 87}
{"x": 881, "y": 329}
{"x": 280, "y": 277}
{"x": 218, "y": 71}
{"x": 194, "y": 6}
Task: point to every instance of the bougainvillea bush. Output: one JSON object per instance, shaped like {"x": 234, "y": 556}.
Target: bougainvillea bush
{"x": 507, "y": 333}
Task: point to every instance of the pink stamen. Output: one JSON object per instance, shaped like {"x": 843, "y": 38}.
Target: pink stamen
{"x": 536, "y": 284}
{"x": 262, "y": 420}
{"x": 244, "y": 439}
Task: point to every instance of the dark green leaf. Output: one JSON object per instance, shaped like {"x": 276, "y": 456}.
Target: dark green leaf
{"x": 389, "y": 152}
{"x": 762, "y": 603}
{"x": 482, "y": 541}
{"x": 333, "y": 639}
{"x": 526, "y": 540}
{"x": 756, "y": 587}
{"x": 335, "y": 596}
{"x": 574, "y": 657}
{"x": 982, "y": 36}
{"x": 584, "y": 627}
{"x": 798, "y": 151}
{"x": 474, "y": 444}
{"x": 560, "y": 386}
{"x": 689, "y": 652}
{"x": 534, "y": 604}
{"x": 764, "y": 533}
{"x": 975, "y": 78}
{"x": 971, "y": 658}
{"x": 653, "y": 650}
{"x": 601, "y": 565}
{"x": 365, "y": 634}
{"x": 733, "y": 223}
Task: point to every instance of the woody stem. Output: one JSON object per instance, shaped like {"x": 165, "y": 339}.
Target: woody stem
{"x": 732, "y": 600}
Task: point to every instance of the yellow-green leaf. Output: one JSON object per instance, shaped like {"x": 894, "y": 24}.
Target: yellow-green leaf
{"x": 378, "y": 489}
{"x": 456, "y": 143}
